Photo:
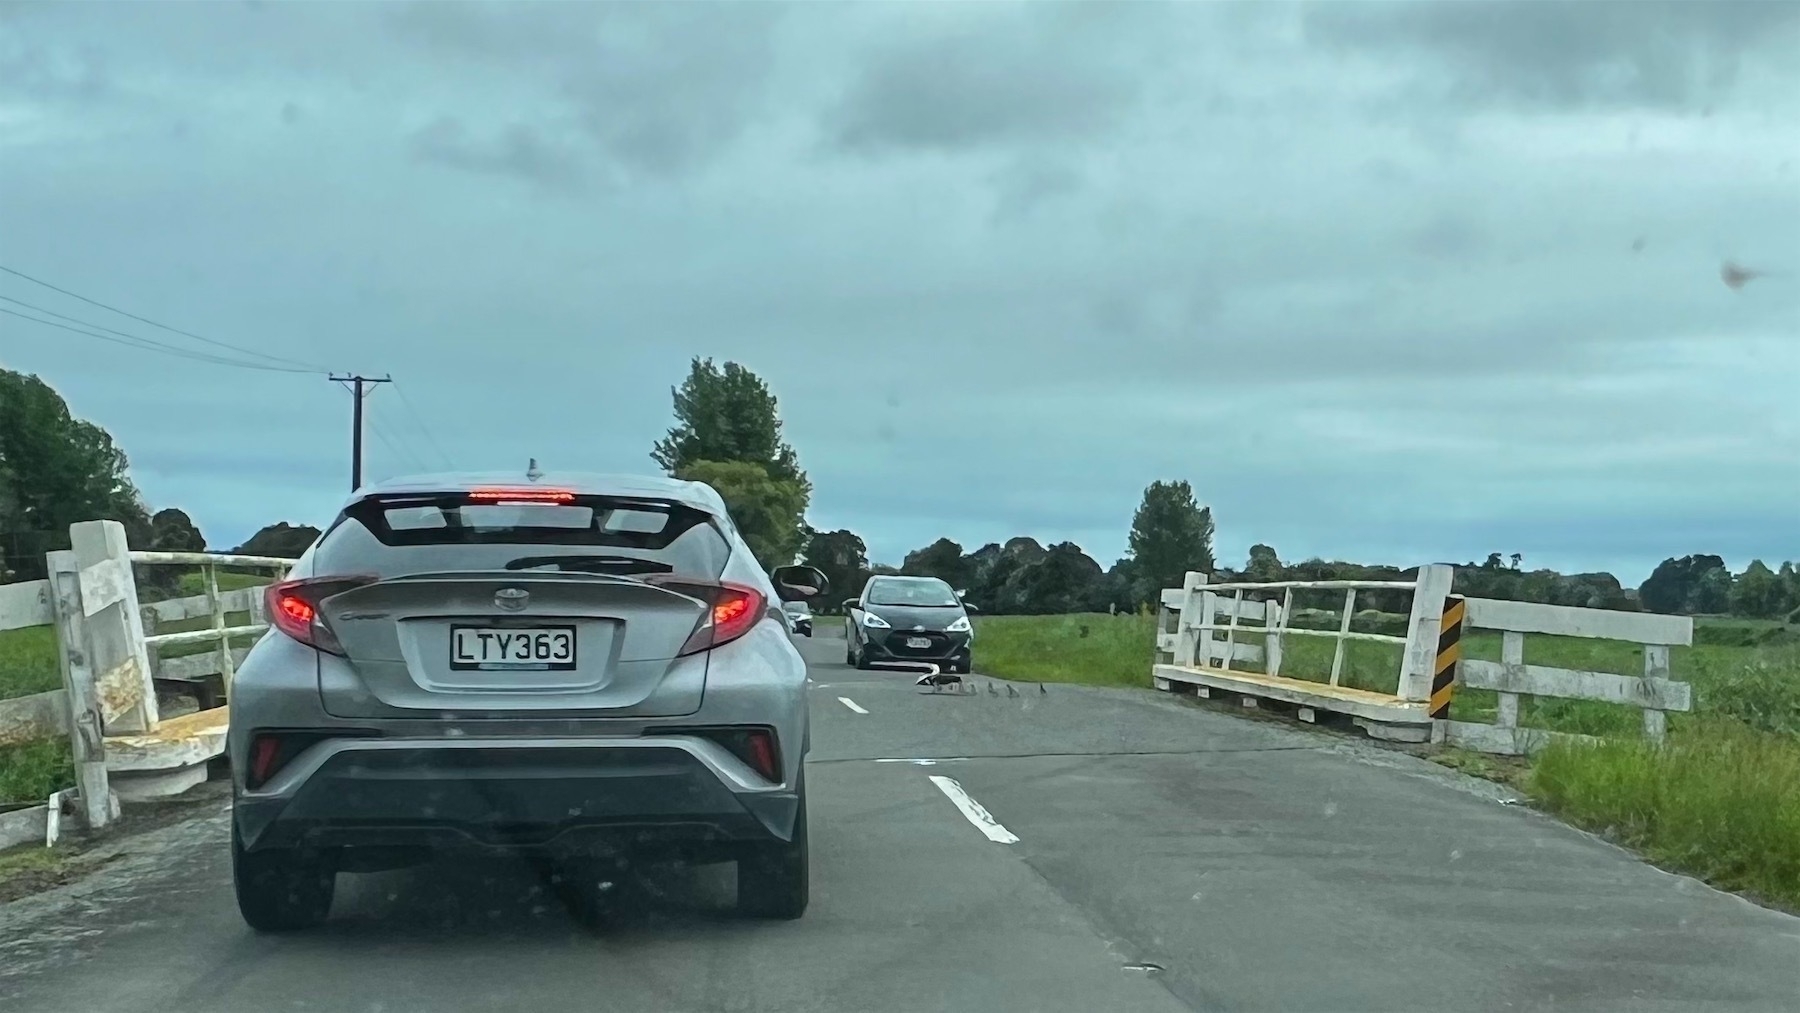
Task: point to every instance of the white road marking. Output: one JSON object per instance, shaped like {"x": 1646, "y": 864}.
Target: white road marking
{"x": 852, "y": 704}
{"x": 973, "y": 811}
{"x": 921, "y": 761}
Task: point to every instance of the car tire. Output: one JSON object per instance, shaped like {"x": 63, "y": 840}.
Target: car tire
{"x": 774, "y": 877}
{"x": 862, "y": 660}
{"x": 280, "y": 889}
{"x": 962, "y": 666}
{"x": 849, "y": 652}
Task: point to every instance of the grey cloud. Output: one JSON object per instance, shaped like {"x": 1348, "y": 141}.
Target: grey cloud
{"x": 517, "y": 150}
{"x": 1448, "y": 236}
{"x": 661, "y": 89}
{"x": 1024, "y": 185}
{"x": 1056, "y": 72}
{"x": 1570, "y": 54}
{"x": 42, "y": 71}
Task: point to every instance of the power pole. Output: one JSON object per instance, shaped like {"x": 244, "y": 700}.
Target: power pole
{"x": 356, "y": 421}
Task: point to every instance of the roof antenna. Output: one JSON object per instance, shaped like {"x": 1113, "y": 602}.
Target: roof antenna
{"x": 532, "y": 473}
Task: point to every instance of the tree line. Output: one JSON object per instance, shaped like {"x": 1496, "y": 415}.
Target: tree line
{"x": 56, "y": 469}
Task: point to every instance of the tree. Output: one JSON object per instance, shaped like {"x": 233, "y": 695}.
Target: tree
{"x": 766, "y": 510}
{"x": 1063, "y": 581}
{"x": 942, "y": 558}
{"x": 727, "y": 414}
{"x": 281, "y": 540}
{"x": 55, "y": 470}
{"x": 727, "y": 428}
{"x": 1264, "y": 565}
{"x": 171, "y": 530}
{"x": 1712, "y": 593}
{"x": 992, "y": 566}
{"x": 1170, "y": 535}
{"x": 1759, "y": 593}
{"x": 1671, "y": 585}
{"x": 1119, "y": 589}
{"x": 844, "y": 560}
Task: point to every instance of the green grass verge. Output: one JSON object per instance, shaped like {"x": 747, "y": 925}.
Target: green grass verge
{"x": 30, "y": 772}
{"x": 1097, "y": 650}
{"x": 28, "y": 661}
{"x": 1720, "y": 801}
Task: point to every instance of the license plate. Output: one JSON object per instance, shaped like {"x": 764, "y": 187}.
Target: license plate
{"x": 918, "y": 641}
{"x": 537, "y": 648}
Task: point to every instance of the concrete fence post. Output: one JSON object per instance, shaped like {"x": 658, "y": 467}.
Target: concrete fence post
{"x": 87, "y": 736}
{"x": 1186, "y": 636}
{"x": 115, "y": 630}
{"x": 1419, "y": 663}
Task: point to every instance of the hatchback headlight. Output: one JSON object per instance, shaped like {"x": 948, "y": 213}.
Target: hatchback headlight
{"x": 875, "y": 622}
{"x": 959, "y": 626}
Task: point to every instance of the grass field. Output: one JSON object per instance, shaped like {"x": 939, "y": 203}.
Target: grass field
{"x": 1721, "y": 800}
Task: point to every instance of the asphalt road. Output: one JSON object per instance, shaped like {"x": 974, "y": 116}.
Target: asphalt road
{"x": 1139, "y": 853}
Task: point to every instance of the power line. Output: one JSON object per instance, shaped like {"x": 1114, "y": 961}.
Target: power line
{"x": 149, "y": 345}
{"x": 396, "y": 440}
{"x": 406, "y": 402}
{"x": 308, "y": 367}
{"x": 136, "y": 340}
{"x": 381, "y": 436}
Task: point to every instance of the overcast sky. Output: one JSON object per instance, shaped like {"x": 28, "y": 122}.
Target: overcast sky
{"x": 1384, "y": 282}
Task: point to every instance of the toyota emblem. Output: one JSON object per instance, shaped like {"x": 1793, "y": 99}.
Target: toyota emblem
{"x": 511, "y": 599}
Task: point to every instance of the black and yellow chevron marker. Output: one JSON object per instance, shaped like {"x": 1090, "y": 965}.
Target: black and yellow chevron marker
{"x": 1449, "y": 652}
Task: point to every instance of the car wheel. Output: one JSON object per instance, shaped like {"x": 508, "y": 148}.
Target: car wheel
{"x": 862, "y": 660}
{"x": 773, "y": 877}
{"x": 962, "y": 666}
{"x": 849, "y": 652}
{"x": 280, "y": 889}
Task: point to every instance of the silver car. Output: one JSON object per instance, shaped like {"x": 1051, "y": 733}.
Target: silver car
{"x": 585, "y": 670}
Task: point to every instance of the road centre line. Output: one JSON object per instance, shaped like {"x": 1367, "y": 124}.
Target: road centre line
{"x": 973, "y": 812}
{"x": 852, "y": 704}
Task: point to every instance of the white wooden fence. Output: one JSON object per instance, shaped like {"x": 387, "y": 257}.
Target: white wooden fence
{"x": 107, "y": 705}
{"x": 1193, "y": 658}
{"x": 1512, "y": 678}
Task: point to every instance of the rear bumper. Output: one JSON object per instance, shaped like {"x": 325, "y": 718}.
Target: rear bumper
{"x": 576, "y": 795}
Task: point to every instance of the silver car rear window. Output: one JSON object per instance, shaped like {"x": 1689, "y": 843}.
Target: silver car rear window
{"x": 433, "y": 532}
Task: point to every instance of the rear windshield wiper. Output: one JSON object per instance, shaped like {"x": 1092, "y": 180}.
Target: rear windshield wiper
{"x": 591, "y": 564}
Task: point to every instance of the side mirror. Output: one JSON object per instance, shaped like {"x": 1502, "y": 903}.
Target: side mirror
{"x": 849, "y": 603}
{"x": 969, "y": 606}
{"x": 797, "y": 583}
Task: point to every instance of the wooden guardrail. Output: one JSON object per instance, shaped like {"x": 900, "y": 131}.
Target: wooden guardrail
{"x": 1191, "y": 658}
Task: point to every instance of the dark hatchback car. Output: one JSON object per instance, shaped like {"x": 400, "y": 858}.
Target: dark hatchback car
{"x": 909, "y": 619}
